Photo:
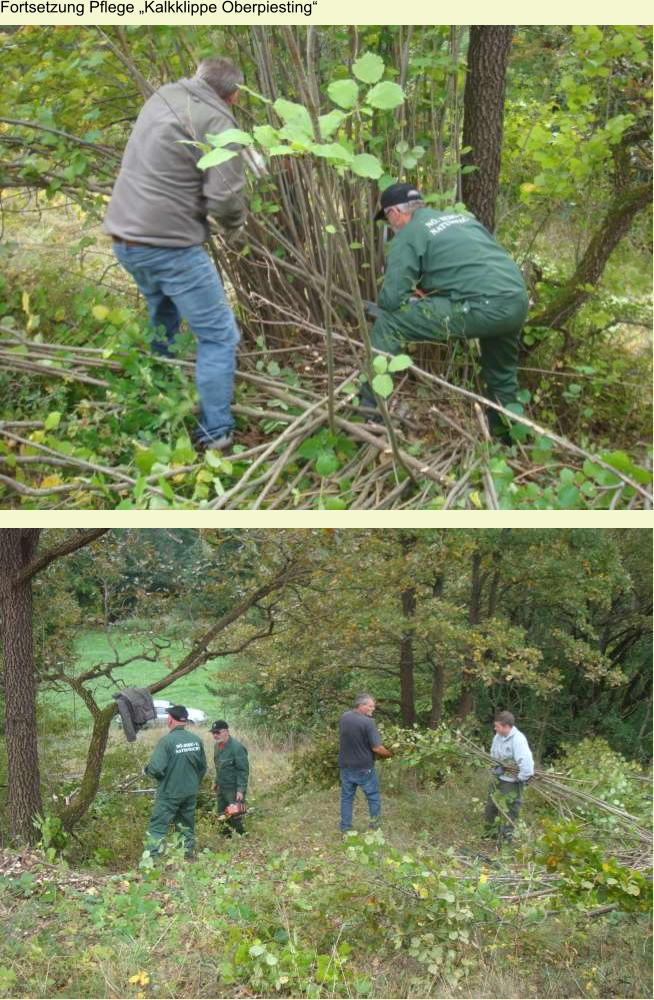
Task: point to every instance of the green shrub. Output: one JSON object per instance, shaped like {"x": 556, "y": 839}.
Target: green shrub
{"x": 317, "y": 766}
{"x": 588, "y": 876}
{"x": 609, "y": 776}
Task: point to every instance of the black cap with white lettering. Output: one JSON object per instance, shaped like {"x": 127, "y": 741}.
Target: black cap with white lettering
{"x": 397, "y": 194}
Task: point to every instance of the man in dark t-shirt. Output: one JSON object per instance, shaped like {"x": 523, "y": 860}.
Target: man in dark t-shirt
{"x": 359, "y": 743}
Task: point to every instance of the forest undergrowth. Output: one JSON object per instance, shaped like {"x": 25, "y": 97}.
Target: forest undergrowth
{"x": 426, "y": 907}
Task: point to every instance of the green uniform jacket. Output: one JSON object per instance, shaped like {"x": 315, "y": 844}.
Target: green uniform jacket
{"x": 449, "y": 255}
{"x": 178, "y": 763}
{"x": 232, "y": 767}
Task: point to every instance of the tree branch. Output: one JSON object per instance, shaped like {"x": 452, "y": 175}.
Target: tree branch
{"x": 78, "y": 541}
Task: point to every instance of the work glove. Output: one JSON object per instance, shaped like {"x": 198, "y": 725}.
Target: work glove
{"x": 371, "y": 308}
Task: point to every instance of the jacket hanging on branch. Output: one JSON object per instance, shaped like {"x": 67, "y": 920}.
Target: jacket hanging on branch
{"x": 136, "y": 708}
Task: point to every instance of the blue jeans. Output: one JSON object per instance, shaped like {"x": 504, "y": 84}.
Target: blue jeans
{"x": 366, "y": 779}
{"x": 182, "y": 283}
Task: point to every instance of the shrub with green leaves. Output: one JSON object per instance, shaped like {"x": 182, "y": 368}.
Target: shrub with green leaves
{"x": 588, "y": 877}
{"x": 317, "y": 766}
{"x": 609, "y": 776}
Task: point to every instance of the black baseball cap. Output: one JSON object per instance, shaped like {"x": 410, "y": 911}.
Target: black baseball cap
{"x": 218, "y": 725}
{"x": 397, "y": 194}
{"x": 178, "y": 713}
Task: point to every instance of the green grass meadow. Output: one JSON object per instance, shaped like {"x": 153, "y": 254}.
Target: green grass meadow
{"x": 99, "y": 646}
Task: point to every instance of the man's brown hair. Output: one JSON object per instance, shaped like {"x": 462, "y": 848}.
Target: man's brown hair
{"x": 505, "y": 718}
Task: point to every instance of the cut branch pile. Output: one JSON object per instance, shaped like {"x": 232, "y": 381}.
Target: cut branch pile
{"x": 451, "y": 459}
{"x": 559, "y": 790}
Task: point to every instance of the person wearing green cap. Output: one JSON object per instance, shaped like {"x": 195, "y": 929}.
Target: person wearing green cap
{"x": 179, "y": 764}
{"x": 447, "y": 279}
{"x": 232, "y": 773}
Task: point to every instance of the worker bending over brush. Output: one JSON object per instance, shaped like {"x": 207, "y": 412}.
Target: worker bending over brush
{"x": 157, "y": 218}
{"x": 447, "y": 279}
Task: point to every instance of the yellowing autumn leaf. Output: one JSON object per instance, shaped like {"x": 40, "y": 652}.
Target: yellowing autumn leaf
{"x": 100, "y": 312}
{"x": 140, "y": 978}
{"x": 54, "y": 480}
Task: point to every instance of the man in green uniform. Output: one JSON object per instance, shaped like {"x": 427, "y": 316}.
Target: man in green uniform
{"x": 446, "y": 278}
{"x": 179, "y": 764}
{"x": 232, "y": 772}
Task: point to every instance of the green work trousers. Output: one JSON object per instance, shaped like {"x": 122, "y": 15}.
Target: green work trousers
{"x": 503, "y": 808}
{"x": 181, "y": 812}
{"x": 495, "y": 321}
{"x": 225, "y": 796}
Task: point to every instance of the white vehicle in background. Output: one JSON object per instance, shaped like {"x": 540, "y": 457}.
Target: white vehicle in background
{"x": 195, "y": 715}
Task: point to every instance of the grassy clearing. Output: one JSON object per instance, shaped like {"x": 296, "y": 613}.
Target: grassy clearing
{"x": 289, "y": 911}
{"x": 98, "y": 647}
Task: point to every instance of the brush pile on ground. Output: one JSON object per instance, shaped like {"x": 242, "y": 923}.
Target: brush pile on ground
{"x": 304, "y": 443}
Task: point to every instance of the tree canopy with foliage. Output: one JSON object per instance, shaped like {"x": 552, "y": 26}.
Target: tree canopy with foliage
{"x": 543, "y": 131}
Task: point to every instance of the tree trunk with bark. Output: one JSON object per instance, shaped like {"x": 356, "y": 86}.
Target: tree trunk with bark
{"x": 438, "y": 669}
{"x": 407, "y": 695}
{"x": 578, "y": 289}
{"x": 17, "y": 548}
{"x": 466, "y": 699}
{"x": 18, "y": 565}
{"x": 483, "y": 121}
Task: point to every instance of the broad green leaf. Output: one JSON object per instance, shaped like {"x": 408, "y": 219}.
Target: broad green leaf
{"x": 365, "y": 165}
{"x": 380, "y": 364}
{"x": 329, "y": 123}
{"x": 294, "y": 114}
{"x": 383, "y": 385}
{"x": 369, "y": 68}
{"x": 332, "y": 151}
{"x": 215, "y": 157}
{"x": 330, "y": 229}
{"x": 385, "y": 95}
{"x": 266, "y": 135}
{"x": 326, "y": 463}
{"x": 335, "y": 503}
{"x": 399, "y": 363}
{"x": 311, "y": 448}
{"x": 296, "y": 133}
{"x": 280, "y": 151}
{"x": 52, "y": 420}
{"x": 344, "y": 93}
{"x": 568, "y": 496}
{"x": 231, "y": 135}
{"x": 213, "y": 459}
{"x": 183, "y": 452}
{"x": 144, "y": 459}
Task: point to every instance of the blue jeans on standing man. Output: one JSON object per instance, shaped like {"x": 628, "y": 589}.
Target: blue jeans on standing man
{"x": 351, "y": 779}
{"x": 182, "y": 283}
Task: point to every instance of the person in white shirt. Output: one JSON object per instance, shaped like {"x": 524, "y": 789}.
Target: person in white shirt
{"x": 514, "y": 768}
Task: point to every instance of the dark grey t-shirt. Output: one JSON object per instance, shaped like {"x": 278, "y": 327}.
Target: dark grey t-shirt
{"x": 359, "y": 735}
